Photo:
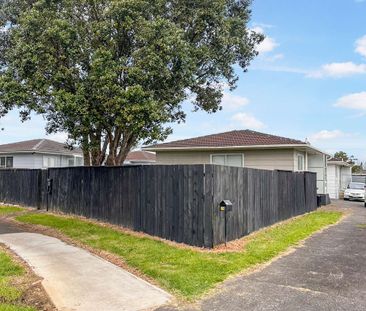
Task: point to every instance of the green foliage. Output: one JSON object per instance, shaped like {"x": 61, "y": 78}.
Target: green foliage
{"x": 114, "y": 73}
{"x": 341, "y": 155}
{"x": 187, "y": 273}
{"x": 357, "y": 169}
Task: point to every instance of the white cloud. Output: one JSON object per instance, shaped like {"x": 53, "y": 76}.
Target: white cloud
{"x": 263, "y": 25}
{"x": 275, "y": 57}
{"x": 268, "y": 44}
{"x": 361, "y": 46}
{"x": 60, "y": 137}
{"x": 233, "y": 102}
{"x": 326, "y": 135}
{"x": 338, "y": 70}
{"x": 247, "y": 120}
{"x": 356, "y": 101}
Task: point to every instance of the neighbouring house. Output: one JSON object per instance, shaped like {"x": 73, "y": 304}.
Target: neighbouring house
{"x": 359, "y": 177}
{"x": 339, "y": 176}
{"x": 246, "y": 148}
{"x": 39, "y": 153}
{"x": 140, "y": 157}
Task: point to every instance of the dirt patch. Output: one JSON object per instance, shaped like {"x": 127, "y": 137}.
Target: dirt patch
{"x": 337, "y": 207}
{"x": 30, "y": 284}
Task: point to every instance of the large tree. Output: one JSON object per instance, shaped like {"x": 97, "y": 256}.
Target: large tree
{"x": 341, "y": 155}
{"x": 112, "y": 73}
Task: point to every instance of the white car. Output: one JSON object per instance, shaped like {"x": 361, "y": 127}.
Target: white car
{"x": 355, "y": 191}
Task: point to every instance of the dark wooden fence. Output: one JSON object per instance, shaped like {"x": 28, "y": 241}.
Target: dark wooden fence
{"x": 175, "y": 202}
{"x": 21, "y": 186}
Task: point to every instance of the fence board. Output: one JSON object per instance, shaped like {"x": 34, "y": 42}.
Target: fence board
{"x": 176, "y": 202}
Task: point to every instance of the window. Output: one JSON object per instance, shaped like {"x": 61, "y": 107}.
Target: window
{"x": 71, "y": 162}
{"x": 49, "y": 162}
{"x": 79, "y": 161}
{"x": 300, "y": 162}
{"x": 6, "y": 162}
{"x": 9, "y": 161}
{"x": 228, "y": 159}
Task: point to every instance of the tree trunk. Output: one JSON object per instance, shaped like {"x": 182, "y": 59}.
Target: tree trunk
{"x": 119, "y": 147}
{"x": 85, "y": 148}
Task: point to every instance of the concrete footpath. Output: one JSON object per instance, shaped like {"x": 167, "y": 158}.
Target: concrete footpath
{"x": 78, "y": 280}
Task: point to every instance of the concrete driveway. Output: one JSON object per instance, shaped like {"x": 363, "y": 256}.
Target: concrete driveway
{"x": 327, "y": 273}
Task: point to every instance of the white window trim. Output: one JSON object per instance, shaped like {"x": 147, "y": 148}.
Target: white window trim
{"x": 228, "y": 154}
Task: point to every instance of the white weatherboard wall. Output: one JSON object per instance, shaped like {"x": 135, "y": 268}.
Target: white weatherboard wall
{"x": 269, "y": 159}
{"x": 346, "y": 177}
{"x": 333, "y": 181}
{"x": 318, "y": 165}
{"x": 338, "y": 179}
{"x": 24, "y": 160}
{"x": 37, "y": 161}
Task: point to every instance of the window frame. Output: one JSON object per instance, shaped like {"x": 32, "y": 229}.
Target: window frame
{"x": 48, "y": 161}
{"x": 299, "y": 155}
{"x": 225, "y": 155}
{"x": 5, "y": 159}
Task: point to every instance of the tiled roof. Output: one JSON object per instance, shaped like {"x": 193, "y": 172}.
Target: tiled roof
{"x": 335, "y": 160}
{"x": 39, "y": 145}
{"x": 143, "y": 156}
{"x": 339, "y": 162}
{"x": 230, "y": 139}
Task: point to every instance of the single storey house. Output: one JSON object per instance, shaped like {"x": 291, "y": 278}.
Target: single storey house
{"x": 140, "y": 157}
{"x": 246, "y": 148}
{"x": 39, "y": 153}
{"x": 339, "y": 176}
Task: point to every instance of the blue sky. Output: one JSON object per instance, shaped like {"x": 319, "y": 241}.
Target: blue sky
{"x": 309, "y": 80}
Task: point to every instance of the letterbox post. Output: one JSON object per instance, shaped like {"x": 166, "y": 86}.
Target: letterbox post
{"x": 226, "y": 206}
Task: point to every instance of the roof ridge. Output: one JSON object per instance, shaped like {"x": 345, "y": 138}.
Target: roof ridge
{"x": 39, "y": 145}
{"x": 36, "y": 146}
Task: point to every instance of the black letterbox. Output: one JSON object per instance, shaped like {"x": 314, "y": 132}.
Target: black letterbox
{"x": 49, "y": 185}
{"x": 226, "y": 206}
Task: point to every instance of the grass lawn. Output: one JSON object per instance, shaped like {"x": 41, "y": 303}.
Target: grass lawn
{"x": 187, "y": 273}
{"x": 10, "y": 294}
{"x": 6, "y": 210}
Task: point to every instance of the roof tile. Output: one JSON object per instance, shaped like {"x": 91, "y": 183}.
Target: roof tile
{"x": 231, "y": 139}
{"x": 39, "y": 145}
{"x": 141, "y": 156}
